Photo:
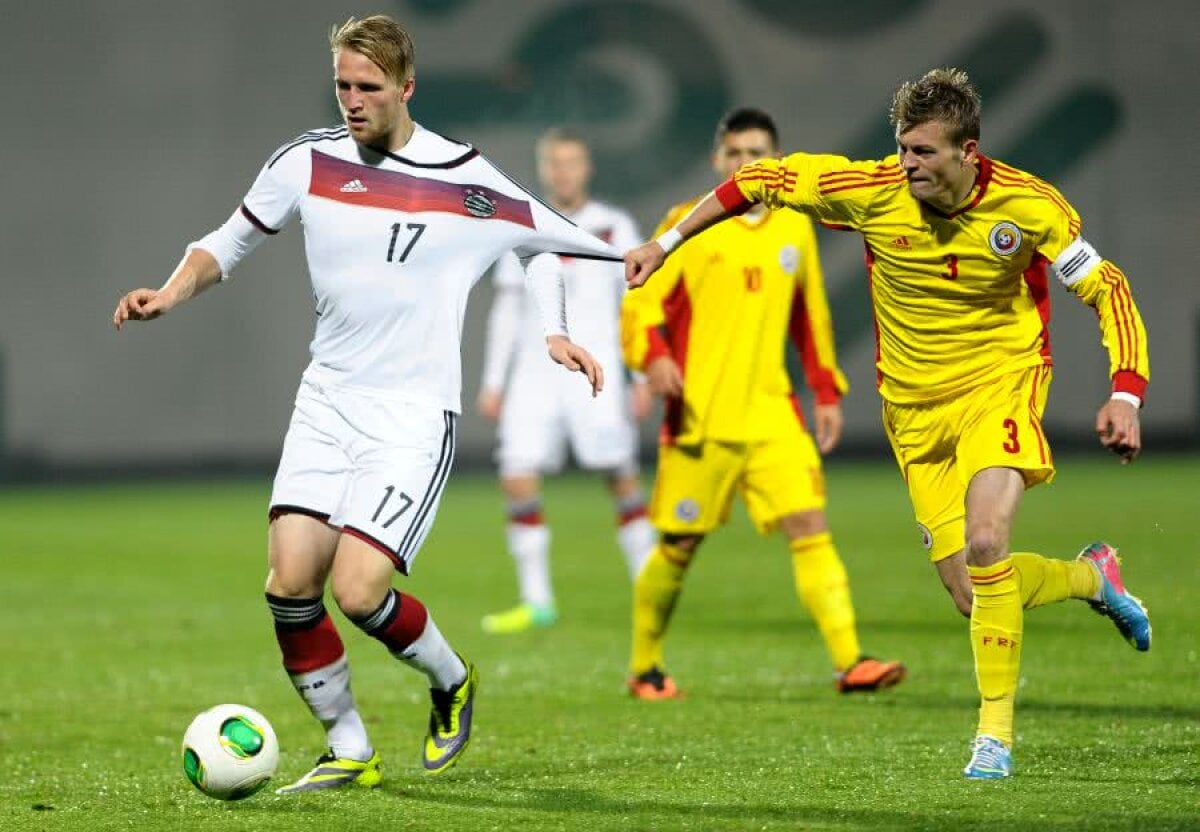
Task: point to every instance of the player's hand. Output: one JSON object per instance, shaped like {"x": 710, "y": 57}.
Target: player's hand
{"x": 141, "y": 305}
{"x": 642, "y": 400}
{"x": 489, "y": 403}
{"x": 664, "y": 376}
{"x": 643, "y": 261}
{"x": 1119, "y": 430}
{"x": 828, "y": 419}
{"x": 577, "y": 359}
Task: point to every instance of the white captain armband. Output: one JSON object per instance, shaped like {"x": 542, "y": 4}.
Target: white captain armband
{"x": 1076, "y": 262}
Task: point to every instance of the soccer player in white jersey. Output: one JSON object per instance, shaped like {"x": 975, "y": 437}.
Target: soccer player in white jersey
{"x": 399, "y": 224}
{"x": 539, "y": 413}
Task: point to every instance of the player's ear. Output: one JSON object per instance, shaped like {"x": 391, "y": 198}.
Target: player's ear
{"x": 970, "y": 151}
{"x": 406, "y": 92}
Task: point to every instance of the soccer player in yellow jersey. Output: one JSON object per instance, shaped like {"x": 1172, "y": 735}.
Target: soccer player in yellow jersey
{"x": 959, "y": 248}
{"x": 710, "y": 336}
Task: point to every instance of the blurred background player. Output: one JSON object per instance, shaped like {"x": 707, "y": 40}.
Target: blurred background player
{"x": 539, "y": 412}
{"x": 389, "y": 210}
{"x": 710, "y": 334}
{"x": 959, "y": 251}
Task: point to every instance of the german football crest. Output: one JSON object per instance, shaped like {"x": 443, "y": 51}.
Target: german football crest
{"x": 789, "y": 258}
{"x": 479, "y": 204}
{"x": 1004, "y": 238}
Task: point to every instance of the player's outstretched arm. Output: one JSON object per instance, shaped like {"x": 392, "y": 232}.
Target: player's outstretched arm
{"x": 577, "y": 359}
{"x": 646, "y": 259}
{"x": 196, "y": 272}
{"x": 1119, "y": 429}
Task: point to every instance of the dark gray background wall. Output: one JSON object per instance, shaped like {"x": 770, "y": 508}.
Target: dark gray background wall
{"x": 132, "y": 128}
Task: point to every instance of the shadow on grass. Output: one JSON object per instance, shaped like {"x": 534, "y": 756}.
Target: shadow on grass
{"x": 1087, "y": 710}
{"x": 662, "y": 814}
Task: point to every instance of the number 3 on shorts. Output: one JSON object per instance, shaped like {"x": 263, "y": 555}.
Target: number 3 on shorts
{"x": 1012, "y": 445}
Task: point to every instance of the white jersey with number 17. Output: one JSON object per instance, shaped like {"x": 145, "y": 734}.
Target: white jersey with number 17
{"x": 395, "y": 241}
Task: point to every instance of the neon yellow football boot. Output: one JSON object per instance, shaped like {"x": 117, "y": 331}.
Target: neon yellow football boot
{"x": 519, "y": 619}
{"x": 450, "y": 723}
{"x": 333, "y": 772}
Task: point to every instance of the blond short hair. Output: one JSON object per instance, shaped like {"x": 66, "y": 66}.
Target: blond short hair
{"x": 946, "y": 95}
{"x": 380, "y": 39}
{"x": 561, "y": 135}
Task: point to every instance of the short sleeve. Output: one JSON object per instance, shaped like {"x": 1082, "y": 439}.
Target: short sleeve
{"x": 275, "y": 196}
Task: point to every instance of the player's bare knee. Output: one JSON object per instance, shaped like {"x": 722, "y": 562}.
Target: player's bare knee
{"x": 987, "y": 543}
{"x": 624, "y": 485}
{"x": 803, "y": 524}
{"x": 357, "y": 599}
{"x": 520, "y": 488}
{"x": 294, "y": 583}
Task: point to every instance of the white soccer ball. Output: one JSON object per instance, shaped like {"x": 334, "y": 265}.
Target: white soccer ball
{"x": 230, "y": 752}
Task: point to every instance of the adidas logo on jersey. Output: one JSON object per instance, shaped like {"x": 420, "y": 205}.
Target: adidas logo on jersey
{"x": 901, "y": 242}
{"x": 354, "y": 186}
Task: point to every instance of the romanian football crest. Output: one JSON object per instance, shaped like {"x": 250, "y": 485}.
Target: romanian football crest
{"x": 479, "y": 204}
{"x": 687, "y": 510}
{"x": 789, "y": 258}
{"x": 1004, "y": 238}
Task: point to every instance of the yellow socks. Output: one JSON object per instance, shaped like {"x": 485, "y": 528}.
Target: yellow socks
{"x": 1002, "y": 592}
{"x": 1048, "y": 580}
{"x": 822, "y": 585}
{"x": 655, "y": 592}
{"x": 997, "y": 620}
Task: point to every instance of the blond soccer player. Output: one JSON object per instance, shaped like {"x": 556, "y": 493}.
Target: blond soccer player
{"x": 960, "y": 248}
{"x": 399, "y": 223}
{"x": 710, "y": 335}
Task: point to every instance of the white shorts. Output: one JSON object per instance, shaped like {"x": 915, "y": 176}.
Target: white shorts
{"x": 545, "y": 409}
{"x": 371, "y": 466}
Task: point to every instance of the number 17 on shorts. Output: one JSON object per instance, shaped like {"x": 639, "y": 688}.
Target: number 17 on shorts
{"x": 391, "y": 505}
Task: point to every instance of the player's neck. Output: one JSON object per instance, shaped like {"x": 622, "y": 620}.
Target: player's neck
{"x": 569, "y": 206}
{"x": 400, "y": 135}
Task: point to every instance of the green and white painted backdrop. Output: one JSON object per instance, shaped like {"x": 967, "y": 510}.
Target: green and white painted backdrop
{"x": 134, "y": 127}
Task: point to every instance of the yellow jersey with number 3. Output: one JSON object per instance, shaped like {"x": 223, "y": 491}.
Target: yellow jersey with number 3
{"x": 723, "y": 308}
{"x": 959, "y": 298}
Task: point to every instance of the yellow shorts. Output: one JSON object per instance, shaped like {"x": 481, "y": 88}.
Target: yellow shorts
{"x": 694, "y": 486}
{"x": 941, "y": 445}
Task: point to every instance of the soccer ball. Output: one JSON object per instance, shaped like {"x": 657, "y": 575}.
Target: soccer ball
{"x": 229, "y": 752}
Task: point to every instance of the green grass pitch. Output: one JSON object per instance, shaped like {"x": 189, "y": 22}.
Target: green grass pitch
{"x": 127, "y": 609}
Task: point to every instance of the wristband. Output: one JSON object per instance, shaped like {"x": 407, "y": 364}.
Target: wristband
{"x": 669, "y": 240}
{"x": 1121, "y": 395}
